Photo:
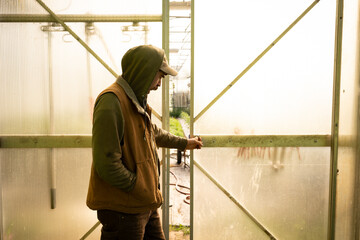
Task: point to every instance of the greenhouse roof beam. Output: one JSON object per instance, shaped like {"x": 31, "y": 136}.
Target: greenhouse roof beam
{"x": 335, "y": 138}
{"x": 79, "y": 18}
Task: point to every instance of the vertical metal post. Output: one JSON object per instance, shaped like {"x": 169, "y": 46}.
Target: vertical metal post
{"x": 165, "y": 122}
{"x": 192, "y": 123}
{"x": 1, "y": 198}
{"x": 356, "y": 227}
{"x": 335, "y": 120}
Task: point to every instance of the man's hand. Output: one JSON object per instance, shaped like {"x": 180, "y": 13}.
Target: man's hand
{"x": 194, "y": 143}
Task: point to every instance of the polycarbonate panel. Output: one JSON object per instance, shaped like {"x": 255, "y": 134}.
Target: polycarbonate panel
{"x": 217, "y": 217}
{"x": 24, "y": 81}
{"x": 71, "y": 105}
{"x": 288, "y": 91}
{"x": 76, "y": 77}
{"x": 122, "y": 7}
{"x": 48, "y": 86}
{"x": 345, "y": 226}
{"x": 285, "y": 189}
{"x": 32, "y": 67}
{"x": 20, "y": 7}
{"x": 25, "y": 182}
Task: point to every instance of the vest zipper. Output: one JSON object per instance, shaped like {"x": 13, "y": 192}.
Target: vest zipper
{"x": 152, "y": 143}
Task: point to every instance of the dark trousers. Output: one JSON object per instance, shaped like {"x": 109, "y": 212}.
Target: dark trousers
{"x": 141, "y": 226}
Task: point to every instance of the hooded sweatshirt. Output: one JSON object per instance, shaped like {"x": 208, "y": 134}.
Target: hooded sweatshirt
{"x": 125, "y": 174}
{"x": 140, "y": 65}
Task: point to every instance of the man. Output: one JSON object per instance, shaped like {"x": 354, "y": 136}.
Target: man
{"x": 124, "y": 183}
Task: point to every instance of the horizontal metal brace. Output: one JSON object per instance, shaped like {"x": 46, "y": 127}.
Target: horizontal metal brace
{"x": 79, "y": 18}
{"x": 173, "y": 17}
{"x": 84, "y": 141}
{"x": 182, "y": 32}
{"x": 45, "y": 141}
{"x": 266, "y": 140}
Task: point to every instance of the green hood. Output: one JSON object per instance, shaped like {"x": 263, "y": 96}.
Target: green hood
{"x": 139, "y": 66}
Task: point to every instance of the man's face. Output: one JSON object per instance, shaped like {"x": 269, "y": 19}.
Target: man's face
{"x": 157, "y": 80}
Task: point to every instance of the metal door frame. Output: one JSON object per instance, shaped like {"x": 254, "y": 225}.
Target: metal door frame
{"x": 275, "y": 140}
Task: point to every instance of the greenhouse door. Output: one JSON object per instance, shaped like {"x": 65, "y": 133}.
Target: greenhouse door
{"x": 269, "y": 165}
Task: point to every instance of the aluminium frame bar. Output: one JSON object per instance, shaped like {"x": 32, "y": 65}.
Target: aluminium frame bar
{"x": 165, "y": 122}
{"x": 1, "y": 206}
{"x": 256, "y": 60}
{"x": 266, "y": 140}
{"x": 78, "y": 18}
{"x": 335, "y": 121}
{"x": 356, "y": 227}
{"x": 210, "y": 141}
{"x": 45, "y": 141}
{"x": 192, "y": 65}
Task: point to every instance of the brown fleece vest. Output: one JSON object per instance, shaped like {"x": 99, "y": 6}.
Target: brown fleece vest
{"x": 138, "y": 155}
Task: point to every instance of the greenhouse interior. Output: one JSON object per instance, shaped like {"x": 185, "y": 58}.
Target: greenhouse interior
{"x": 271, "y": 88}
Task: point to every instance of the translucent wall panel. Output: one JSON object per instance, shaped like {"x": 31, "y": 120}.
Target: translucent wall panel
{"x": 285, "y": 189}
{"x": 288, "y": 91}
{"x": 48, "y": 85}
{"x": 25, "y": 184}
{"x": 217, "y": 217}
{"x": 24, "y": 81}
{"x": 55, "y": 59}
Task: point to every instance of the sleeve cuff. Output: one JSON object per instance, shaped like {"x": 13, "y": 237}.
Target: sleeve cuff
{"x": 183, "y": 143}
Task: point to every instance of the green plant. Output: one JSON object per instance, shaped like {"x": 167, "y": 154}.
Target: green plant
{"x": 175, "y": 113}
{"x": 186, "y": 117}
{"x": 180, "y": 227}
{"x": 175, "y": 127}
